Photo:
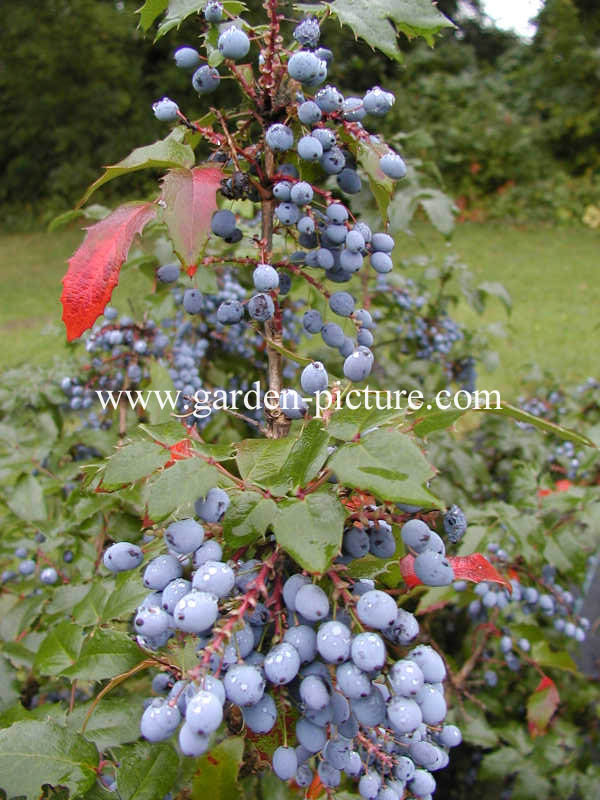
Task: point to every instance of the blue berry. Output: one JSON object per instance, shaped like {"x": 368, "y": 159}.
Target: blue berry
{"x": 223, "y": 223}
{"x": 307, "y": 32}
{"x": 165, "y": 110}
{"x": 184, "y": 536}
{"x": 261, "y": 307}
{"x": 309, "y": 113}
{"x": 329, "y": 99}
{"x": 304, "y": 66}
{"x": 265, "y": 278}
{"x": 309, "y": 148}
{"x": 314, "y": 378}
{"x": 206, "y": 79}
{"x": 213, "y": 11}
{"x": 392, "y": 165}
{"x": 196, "y": 612}
{"x": 292, "y": 404}
{"x": 122, "y": 556}
{"x": 279, "y": 137}
{"x": 187, "y": 58}
{"x": 233, "y": 43}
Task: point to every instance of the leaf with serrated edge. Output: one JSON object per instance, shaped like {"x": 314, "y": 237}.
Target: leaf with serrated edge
{"x": 168, "y": 153}
{"x": 103, "y": 655}
{"x": 247, "y": 518}
{"x": 180, "y": 486}
{"x": 132, "y": 462}
{"x": 377, "y": 22}
{"x": 147, "y": 771}
{"x": 189, "y": 199}
{"x": 217, "y": 771}
{"x": 388, "y": 464}
{"x": 310, "y": 530}
{"x": 36, "y": 753}
{"x": 60, "y": 648}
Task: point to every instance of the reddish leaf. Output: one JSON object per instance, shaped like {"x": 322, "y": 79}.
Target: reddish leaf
{"x": 315, "y": 789}
{"x": 189, "y": 198}
{"x": 477, "y": 568}
{"x": 180, "y": 451}
{"x": 94, "y": 268}
{"x": 474, "y": 567}
{"x": 541, "y": 706}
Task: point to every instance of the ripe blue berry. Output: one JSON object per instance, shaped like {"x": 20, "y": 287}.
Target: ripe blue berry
{"x": 165, "y": 110}
{"x": 187, "y": 58}
{"x": 392, "y": 165}
{"x": 184, "y": 536}
{"x": 233, "y": 43}
{"x": 279, "y": 137}
{"x": 123, "y": 556}
{"x": 206, "y": 79}
{"x": 223, "y": 223}
{"x": 265, "y": 278}
{"x": 261, "y": 307}
{"x": 314, "y": 378}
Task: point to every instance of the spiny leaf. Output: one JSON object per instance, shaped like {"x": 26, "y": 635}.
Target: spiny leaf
{"x": 94, "y": 268}
{"x": 36, "y": 753}
{"x": 378, "y": 22}
{"x": 541, "y": 706}
{"x": 310, "y": 530}
{"x": 167, "y": 153}
{"x": 147, "y": 771}
{"x": 189, "y": 199}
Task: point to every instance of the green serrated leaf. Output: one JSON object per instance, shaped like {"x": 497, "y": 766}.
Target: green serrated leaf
{"x": 180, "y": 486}
{"x": 247, "y": 518}
{"x": 545, "y": 657}
{"x": 388, "y": 464}
{"x": 177, "y": 11}
{"x": 132, "y": 462}
{"x": 168, "y": 153}
{"x": 347, "y": 423}
{"x": 310, "y": 530}
{"x": 89, "y": 610}
{"x": 428, "y": 420}
{"x": 217, "y": 772}
{"x": 27, "y": 500}
{"x": 379, "y": 21}
{"x": 115, "y": 720}
{"x": 60, "y": 649}
{"x": 36, "y": 753}
{"x": 507, "y": 410}
{"x": 260, "y": 462}
{"x": 104, "y": 654}
{"x": 128, "y": 593}
{"x": 147, "y": 771}
{"x": 307, "y": 455}
{"x": 9, "y": 692}
{"x": 150, "y": 11}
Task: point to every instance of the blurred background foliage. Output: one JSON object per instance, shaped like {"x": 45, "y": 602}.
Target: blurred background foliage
{"x": 512, "y": 126}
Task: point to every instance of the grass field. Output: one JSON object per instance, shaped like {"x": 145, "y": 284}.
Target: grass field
{"x": 550, "y": 273}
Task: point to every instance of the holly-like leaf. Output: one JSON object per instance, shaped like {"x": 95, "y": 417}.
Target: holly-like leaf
{"x": 27, "y": 499}
{"x": 94, "y": 268}
{"x": 36, "y": 753}
{"x": 427, "y": 420}
{"x": 310, "y": 530}
{"x": 474, "y": 567}
{"x": 541, "y": 706}
{"x": 179, "y": 10}
{"x": 308, "y": 454}
{"x": 168, "y": 153}
{"x": 60, "y": 648}
{"x": 247, "y": 518}
{"x": 150, "y": 11}
{"x": 217, "y": 773}
{"x": 179, "y": 486}
{"x": 368, "y": 153}
{"x": 348, "y": 422}
{"x": 260, "y": 462}
{"x": 147, "y": 771}
{"x": 440, "y": 209}
{"x": 388, "y": 464}
{"x": 104, "y": 654}
{"x": 189, "y": 199}
{"x": 557, "y": 659}
{"x": 115, "y": 720}
{"x": 128, "y": 593}
{"x": 132, "y": 462}
{"x": 379, "y": 22}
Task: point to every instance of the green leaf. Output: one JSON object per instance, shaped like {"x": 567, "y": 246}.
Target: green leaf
{"x": 545, "y": 657}
{"x": 105, "y": 654}
{"x": 128, "y": 593}
{"x": 60, "y": 649}
{"x": 310, "y": 530}
{"x": 160, "y": 380}
{"x": 168, "y": 153}
{"x": 260, "y": 462}
{"x": 27, "y": 500}
{"x": 217, "y": 773}
{"x": 496, "y": 290}
{"x": 427, "y": 420}
{"x": 180, "y": 485}
{"x": 541, "y": 707}
{"x": 247, "y": 518}
{"x": 90, "y": 608}
{"x": 177, "y": 11}
{"x": 476, "y": 729}
{"x": 368, "y": 154}
{"x": 147, "y": 771}
{"x": 115, "y": 720}
{"x": 150, "y": 11}
{"x": 347, "y": 423}
{"x": 36, "y": 753}
{"x": 132, "y": 462}
{"x": 307, "y": 455}
{"x": 9, "y": 692}
{"x": 502, "y": 762}
{"x": 440, "y": 209}
{"x": 388, "y": 464}
{"x": 507, "y": 410}
{"x": 378, "y": 22}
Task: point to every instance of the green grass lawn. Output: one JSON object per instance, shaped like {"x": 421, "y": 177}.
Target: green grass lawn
{"x": 551, "y": 273}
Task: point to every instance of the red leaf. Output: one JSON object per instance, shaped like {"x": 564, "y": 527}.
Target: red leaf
{"x": 315, "y": 789}
{"x": 541, "y": 706}
{"x": 560, "y": 486}
{"x": 189, "y": 197}
{"x": 477, "y": 568}
{"x": 180, "y": 451}
{"x": 94, "y": 268}
{"x": 474, "y": 567}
